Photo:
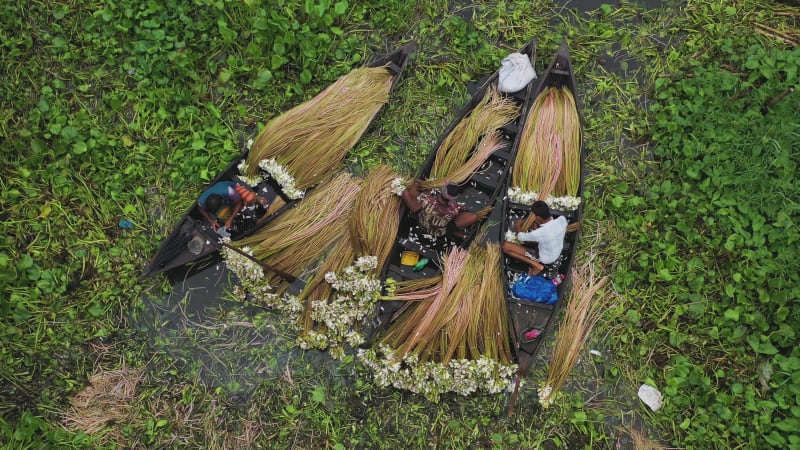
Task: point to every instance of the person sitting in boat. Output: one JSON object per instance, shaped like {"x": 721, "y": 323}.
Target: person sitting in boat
{"x": 548, "y": 235}
{"x": 221, "y": 202}
{"x": 438, "y": 211}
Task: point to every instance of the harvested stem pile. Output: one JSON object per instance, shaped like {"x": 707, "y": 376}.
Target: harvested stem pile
{"x": 581, "y": 312}
{"x": 373, "y": 222}
{"x": 312, "y": 139}
{"x": 494, "y": 111}
{"x": 301, "y": 235}
{"x": 375, "y": 218}
{"x": 548, "y": 161}
{"x": 464, "y": 319}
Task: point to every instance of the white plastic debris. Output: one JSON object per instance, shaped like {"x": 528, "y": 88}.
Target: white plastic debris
{"x": 516, "y": 72}
{"x": 595, "y": 353}
{"x": 651, "y": 397}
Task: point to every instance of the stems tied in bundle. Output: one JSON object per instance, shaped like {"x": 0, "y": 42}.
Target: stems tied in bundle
{"x": 548, "y": 160}
{"x": 584, "y": 307}
{"x": 311, "y": 140}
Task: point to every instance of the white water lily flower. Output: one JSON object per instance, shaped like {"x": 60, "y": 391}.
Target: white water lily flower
{"x": 398, "y": 186}
{"x": 282, "y": 177}
{"x": 544, "y": 396}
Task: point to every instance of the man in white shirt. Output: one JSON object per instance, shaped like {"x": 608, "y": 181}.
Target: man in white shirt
{"x": 548, "y": 235}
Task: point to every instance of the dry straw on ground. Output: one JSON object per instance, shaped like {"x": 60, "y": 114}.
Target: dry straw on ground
{"x": 106, "y": 399}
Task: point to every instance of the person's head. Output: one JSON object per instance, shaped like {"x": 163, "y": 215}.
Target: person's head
{"x": 541, "y": 209}
{"x": 450, "y": 191}
{"x": 214, "y": 202}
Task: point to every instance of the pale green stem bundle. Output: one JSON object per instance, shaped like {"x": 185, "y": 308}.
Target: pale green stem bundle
{"x": 415, "y": 290}
{"x": 412, "y": 329}
{"x": 311, "y": 140}
{"x": 584, "y": 307}
{"x": 477, "y": 324}
{"x": 493, "y": 112}
{"x": 373, "y": 221}
{"x": 490, "y": 143}
{"x": 548, "y": 159}
{"x": 533, "y": 167}
{"x": 569, "y": 180}
{"x": 300, "y": 236}
{"x": 375, "y": 218}
{"x": 462, "y": 317}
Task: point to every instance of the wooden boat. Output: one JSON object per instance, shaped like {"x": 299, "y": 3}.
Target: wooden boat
{"x": 481, "y": 190}
{"x": 526, "y": 315}
{"x": 193, "y": 241}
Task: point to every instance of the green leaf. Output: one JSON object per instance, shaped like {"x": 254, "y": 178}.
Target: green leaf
{"x": 732, "y": 314}
{"x": 318, "y": 395}
{"x": 79, "y": 148}
{"x": 95, "y": 309}
{"x": 340, "y": 7}
{"x": 305, "y": 76}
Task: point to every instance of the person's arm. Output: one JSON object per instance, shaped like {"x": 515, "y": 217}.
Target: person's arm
{"x": 529, "y": 236}
{"x": 236, "y": 209}
{"x": 204, "y": 212}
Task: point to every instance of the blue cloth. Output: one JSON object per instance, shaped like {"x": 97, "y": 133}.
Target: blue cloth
{"x": 224, "y": 189}
{"x": 535, "y": 289}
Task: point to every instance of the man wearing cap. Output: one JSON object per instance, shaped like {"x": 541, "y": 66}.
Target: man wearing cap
{"x": 438, "y": 211}
{"x": 548, "y": 235}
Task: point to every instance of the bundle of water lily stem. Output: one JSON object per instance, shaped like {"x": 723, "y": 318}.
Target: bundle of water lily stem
{"x": 453, "y": 334}
{"x": 358, "y": 218}
{"x": 305, "y": 145}
{"x": 548, "y": 162}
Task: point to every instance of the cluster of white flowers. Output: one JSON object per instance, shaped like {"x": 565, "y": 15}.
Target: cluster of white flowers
{"x": 398, "y": 186}
{"x": 252, "y": 283}
{"x": 356, "y": 293}
{"x": 517, "y": 195}
{"x": 566, "y": 203}
{"x": 432, "y": 379}
{"x": 511, "y": 237}
{"x": 312, "y": 339}
{"x": 545, "y": 397}
{"x": 291, "y": 304}
{"x": 282, "y": 177}
{"x": 250, "y": 181}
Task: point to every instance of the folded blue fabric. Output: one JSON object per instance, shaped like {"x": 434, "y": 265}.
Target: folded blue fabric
{"x": 535, "y": 289}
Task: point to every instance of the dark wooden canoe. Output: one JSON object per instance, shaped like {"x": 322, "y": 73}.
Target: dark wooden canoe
{"x": 525, "y": 315}
{"x": 192, "y": 228}
{"x": 481, "y": 190}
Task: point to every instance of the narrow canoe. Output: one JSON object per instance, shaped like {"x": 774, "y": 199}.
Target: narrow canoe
{"x": 193, "y": 241}
{"x": 482, "y": 189}
{"x": 526, "y": 315}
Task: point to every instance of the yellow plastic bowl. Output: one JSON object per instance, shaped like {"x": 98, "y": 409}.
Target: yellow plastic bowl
{"x": 409, "y": 258}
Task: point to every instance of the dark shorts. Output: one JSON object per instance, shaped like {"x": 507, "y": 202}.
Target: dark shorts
{"x": 532, "y": 252}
